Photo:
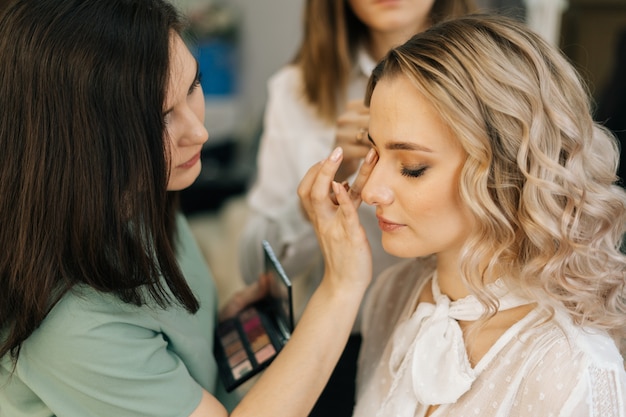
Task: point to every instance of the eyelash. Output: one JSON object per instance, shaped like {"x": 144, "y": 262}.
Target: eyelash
{"x": 194, "y": 86}
{"x": 413, "y": 173}
{"x": 196, "y": 83}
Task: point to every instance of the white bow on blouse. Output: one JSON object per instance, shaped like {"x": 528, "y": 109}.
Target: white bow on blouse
{"x": 429, "y": 363}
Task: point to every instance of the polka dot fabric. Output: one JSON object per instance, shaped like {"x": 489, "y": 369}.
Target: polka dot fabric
{"x": 542, "y": 366}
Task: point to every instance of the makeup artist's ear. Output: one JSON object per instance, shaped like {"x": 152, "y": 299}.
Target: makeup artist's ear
{"x": 246, "y": 296}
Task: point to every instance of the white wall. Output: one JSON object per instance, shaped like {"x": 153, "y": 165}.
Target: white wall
{"x": 271, "y": 33}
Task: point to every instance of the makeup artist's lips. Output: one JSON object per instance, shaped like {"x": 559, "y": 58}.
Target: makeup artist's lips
{"x": 388, "y": 2}
{"x": 387, "y": 226}
{"x": 191, "y": 162}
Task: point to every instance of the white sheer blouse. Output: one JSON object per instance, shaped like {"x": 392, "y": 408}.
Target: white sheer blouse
{"x": 542, "y": 366}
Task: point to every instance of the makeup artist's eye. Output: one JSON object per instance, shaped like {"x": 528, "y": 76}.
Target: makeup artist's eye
{"x": 413, "y": 172}
{"x": 196, "y": 83}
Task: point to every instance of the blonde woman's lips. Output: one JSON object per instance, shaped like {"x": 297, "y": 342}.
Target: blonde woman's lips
{"x": 387, "y": 225}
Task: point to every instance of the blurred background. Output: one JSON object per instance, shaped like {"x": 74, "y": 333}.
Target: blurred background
{"x": 241, "y": 43}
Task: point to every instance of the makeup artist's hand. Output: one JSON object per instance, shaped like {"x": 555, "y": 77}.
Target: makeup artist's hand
{"x": 324, "y": 327}
{"x": 244, "y": 297}
{"x": 351, "y": 135}
{"x": 332, "y": 209}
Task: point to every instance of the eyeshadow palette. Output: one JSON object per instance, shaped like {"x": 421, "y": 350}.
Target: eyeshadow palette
{"x": 247, "y": 343}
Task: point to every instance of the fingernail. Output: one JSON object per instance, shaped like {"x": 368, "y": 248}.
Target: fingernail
{"x": 370, "y": 156}
{"x": 336, "y": 154}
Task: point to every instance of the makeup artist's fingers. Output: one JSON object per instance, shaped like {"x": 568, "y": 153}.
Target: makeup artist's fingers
{"x": 342, "y": 237}
{"x": 364, "y": 172}
{"x": 351, "y": 135}
{"x": 320, "y": 188}
{"x": 333, "y": 198}
{"x": 336, "y": 222}
{"x": 244, "y": 297}
{"x": 347, "y": 254}
{"x": 354, "y": 190}
{"x": 347, "y": 207}
{"x": 314, "y": 189}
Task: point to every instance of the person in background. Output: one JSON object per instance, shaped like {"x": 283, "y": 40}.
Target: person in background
{"x": 107, "y": 307}
{"x": 493, "y": 181}
{"x": 314, "y": 104}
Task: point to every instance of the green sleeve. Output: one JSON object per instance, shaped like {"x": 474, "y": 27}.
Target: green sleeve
{"x": 89, "y": 359}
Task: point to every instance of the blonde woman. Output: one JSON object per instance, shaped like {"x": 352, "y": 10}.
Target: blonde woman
{"x": 316, "y": 103}
{"x": 497, "y": 186}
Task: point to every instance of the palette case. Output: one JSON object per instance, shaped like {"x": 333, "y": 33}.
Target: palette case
{"x": 247, "y": 343}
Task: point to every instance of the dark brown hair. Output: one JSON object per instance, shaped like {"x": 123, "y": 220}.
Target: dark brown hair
{"x": 83, "y": 166}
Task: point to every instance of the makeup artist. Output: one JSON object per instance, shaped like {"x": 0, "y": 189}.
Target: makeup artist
{"x": 107, "y": 307}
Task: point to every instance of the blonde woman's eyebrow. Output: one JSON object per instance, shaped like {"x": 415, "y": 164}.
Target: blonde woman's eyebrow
{"x": 401, "y": 146}
{"x": 406, "y": 146}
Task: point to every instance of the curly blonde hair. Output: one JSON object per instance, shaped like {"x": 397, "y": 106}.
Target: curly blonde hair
{"x": 540, "y": 174}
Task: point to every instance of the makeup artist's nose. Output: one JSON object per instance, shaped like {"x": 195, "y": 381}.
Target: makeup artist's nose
{"x": 195, "y": 132}
{"x": 198, "y": 134}
{"x": 376, "y": 192}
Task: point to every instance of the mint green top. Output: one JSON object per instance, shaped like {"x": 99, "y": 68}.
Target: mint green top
{"x": 94, "y": 355}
